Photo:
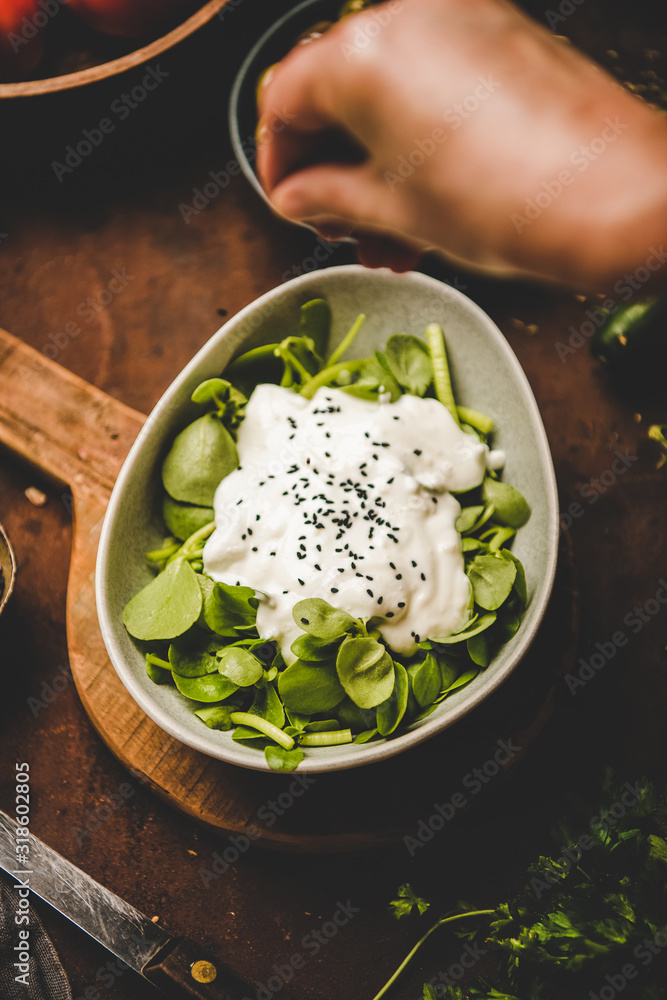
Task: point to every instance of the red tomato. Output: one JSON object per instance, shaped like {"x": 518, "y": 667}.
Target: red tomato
{"x": 22, "y": 24}
{"x": 129, "y": 18}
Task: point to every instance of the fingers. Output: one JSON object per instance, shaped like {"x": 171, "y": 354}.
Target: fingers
{"x": 354, "y": 194}
{"x": 293, "y": 113}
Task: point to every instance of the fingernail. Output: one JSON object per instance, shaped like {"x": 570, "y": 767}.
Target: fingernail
{"x": 264, "y": 80}
{"x": 262, "y": 132}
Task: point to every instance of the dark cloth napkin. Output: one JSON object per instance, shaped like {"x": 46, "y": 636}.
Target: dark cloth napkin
{"x": 46, "y": 979}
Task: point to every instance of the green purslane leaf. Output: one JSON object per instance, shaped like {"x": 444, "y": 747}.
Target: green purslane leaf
{"x": 366, "y": 736}
{"x": 267, "y": 705}
{"x": 210, "y": 687}
{"x": 240, "y": 666}
{"x": 167, "y": 607}
{"x": 510, "y": 506}
{"x": 183, "y": 519}
{"x": 366, "y": 671}
{"x": 391, "y": 711}
{"x": 321, "y": 620}
{"x": 194, "y": 654}
{"x": 315, "y": 323}
{"x": 307, "y": 647}
{"x": 372, "y": 377}
{"x": 200, "y": 457}
{"x": 409, "y": 361}
{"x": 280, "y": 759}
{"x": 520, "y": 586}
{"x": 216, "y": 717}
{"x": 474, "y": 627}
{"x": 310, "y": 688}
{"x": 227, "y": 608}
{"x": 492, "y": 578}
{"x": 426, "y": 681}
{"x": 462, "y": 680}
{"x": 227, "y": 400}
{"x": 449, "y": 671}
{"x": 478, "y": 649}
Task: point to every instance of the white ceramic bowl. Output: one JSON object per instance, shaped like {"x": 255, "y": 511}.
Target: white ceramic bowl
{"x": 487, "y": 377}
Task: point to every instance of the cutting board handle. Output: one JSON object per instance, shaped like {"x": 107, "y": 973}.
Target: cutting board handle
{"x": 72, "y": 431}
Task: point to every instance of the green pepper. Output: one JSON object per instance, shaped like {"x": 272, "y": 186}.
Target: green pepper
{"x": 632, "y": 343}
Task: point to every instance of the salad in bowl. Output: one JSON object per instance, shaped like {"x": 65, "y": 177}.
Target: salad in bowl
{"x": 346, "y": 535}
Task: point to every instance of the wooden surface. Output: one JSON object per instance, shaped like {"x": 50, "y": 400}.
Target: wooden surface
{"x": 120, "y": 210}
{"x": 79, "y": 436}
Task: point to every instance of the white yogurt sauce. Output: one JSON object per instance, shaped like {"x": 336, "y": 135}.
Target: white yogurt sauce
{"x": 348, "y": 500}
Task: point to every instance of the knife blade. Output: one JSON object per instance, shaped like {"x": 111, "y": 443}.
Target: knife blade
{"x": 176, "y": 965}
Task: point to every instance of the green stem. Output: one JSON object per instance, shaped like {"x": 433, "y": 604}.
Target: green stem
{"x": 502, "y": 536}
{"x": 477, "y": 420}
{"x": 347, "y": 340}
{"x": 190, "y": 549}
{"x": 191, "y": 543}
{"x": 441, "y": 376}
{"x": 159, "y": 555}
{"x": 157, "y": 662}
{"x": 410, "y": 956}
{"x": 328, "y": 374}
{"x": 333, "y": 738}
{"x": 246, "y": 719}
{"x": 249, "y": 357}
{"x": 287, "y": 356}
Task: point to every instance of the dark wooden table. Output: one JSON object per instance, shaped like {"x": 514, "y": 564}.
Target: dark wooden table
{"x": 118, "y": 213}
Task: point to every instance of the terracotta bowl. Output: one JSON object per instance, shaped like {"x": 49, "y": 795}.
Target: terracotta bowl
{"x": 103, "y": 68}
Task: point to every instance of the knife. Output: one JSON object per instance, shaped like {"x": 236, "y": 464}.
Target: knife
{"x": 175, "y": 965}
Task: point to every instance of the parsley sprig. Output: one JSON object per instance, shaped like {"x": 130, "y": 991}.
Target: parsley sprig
{"x": 587, "y": 922}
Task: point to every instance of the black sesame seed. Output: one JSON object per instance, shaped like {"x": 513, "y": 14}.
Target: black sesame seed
{"x": 379, "y": 600}
{"x": 417, "y": 451}
{"x": 334, "y": 590}
{"x": 401, "y": 604}
{"x": 369, "y": 592}
{"x": 422, "y": 576}
{"x": 389, "y": 614}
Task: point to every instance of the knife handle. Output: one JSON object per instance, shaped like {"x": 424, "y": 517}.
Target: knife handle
{"x": 185, "y": 971}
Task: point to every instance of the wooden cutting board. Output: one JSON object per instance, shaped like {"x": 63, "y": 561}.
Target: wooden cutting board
{"x": 79, "y": 436}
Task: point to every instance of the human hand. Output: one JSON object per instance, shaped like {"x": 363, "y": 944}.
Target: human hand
{"x": 475, "y": 131}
